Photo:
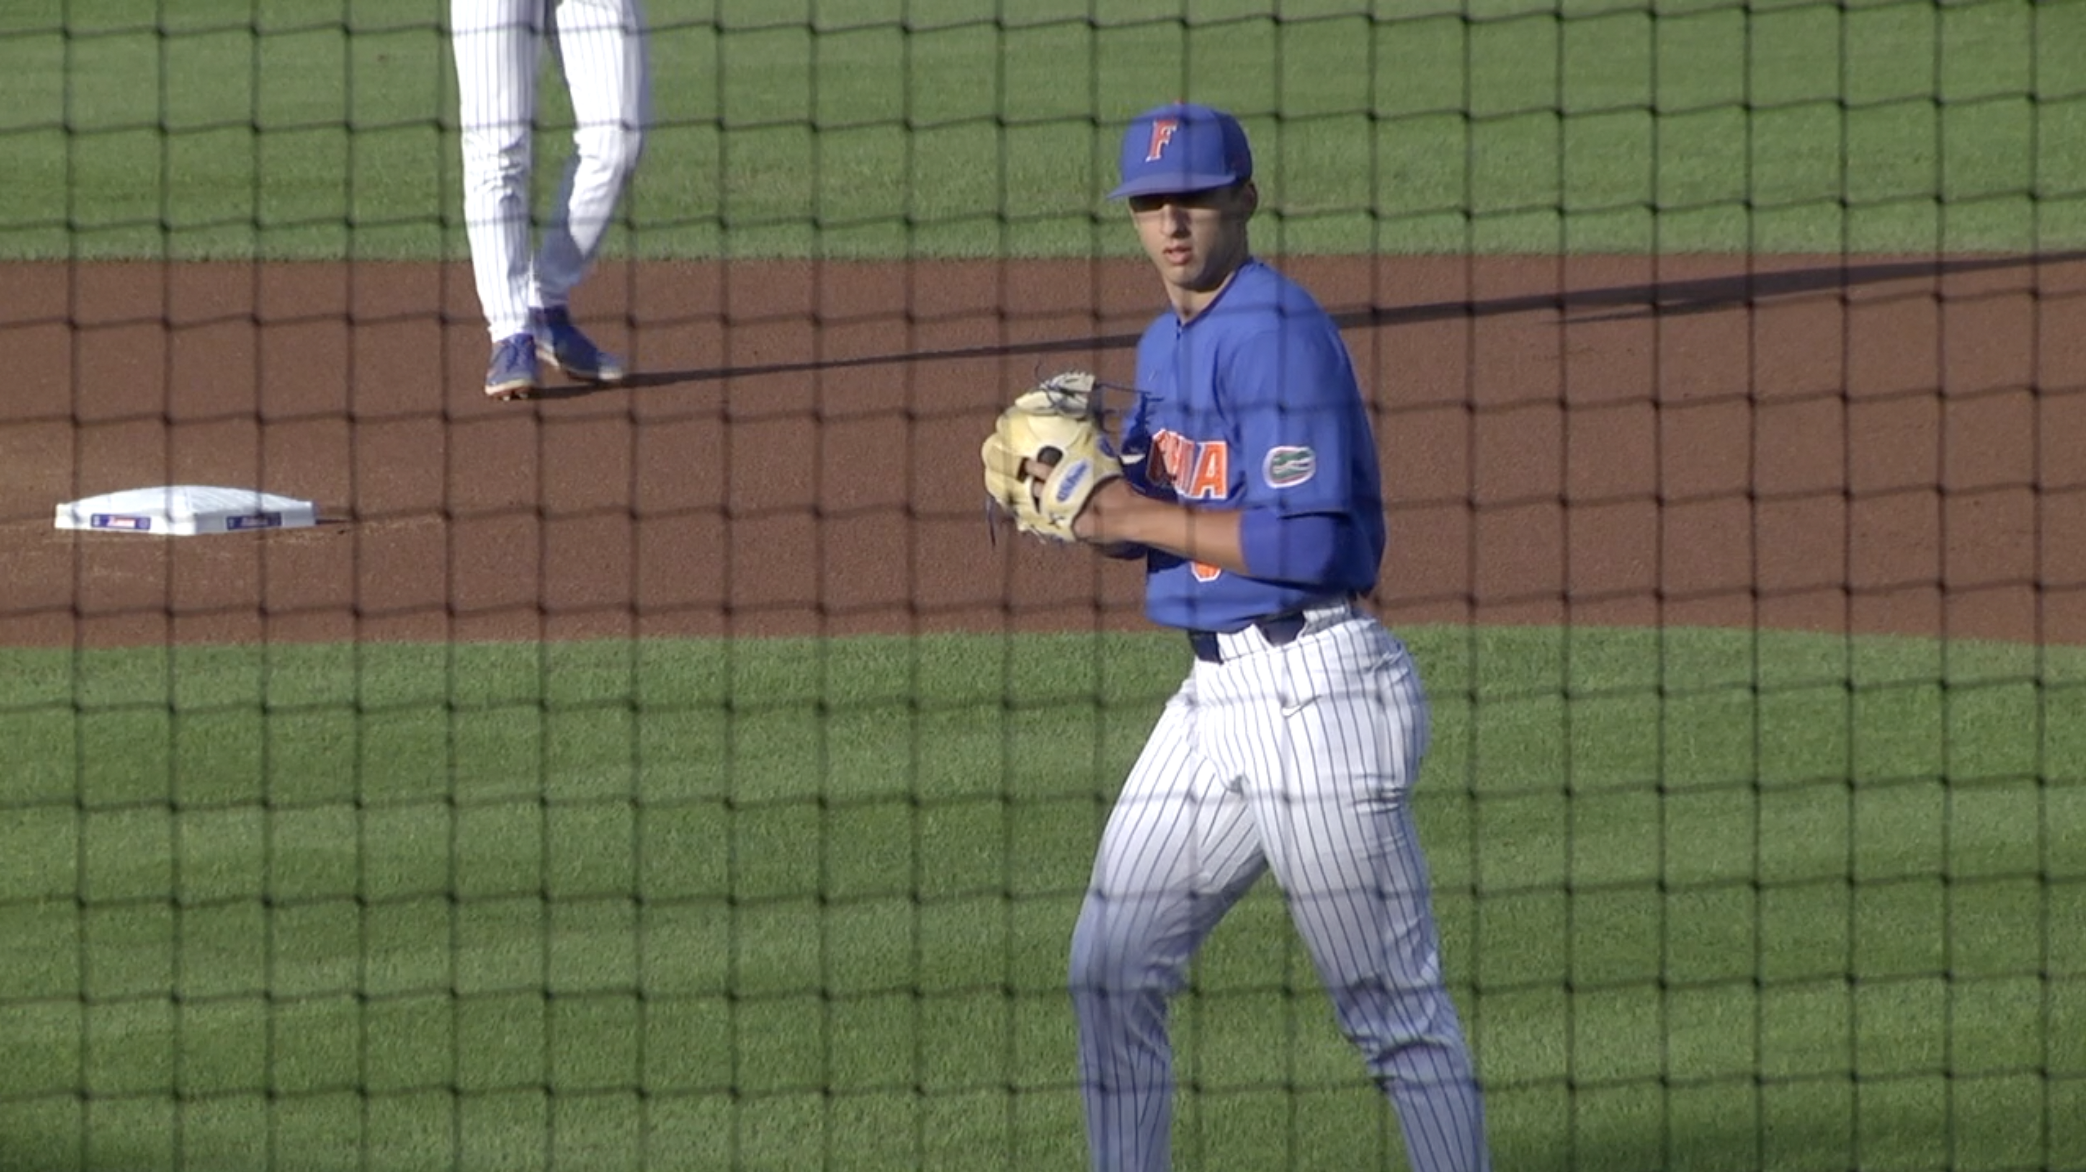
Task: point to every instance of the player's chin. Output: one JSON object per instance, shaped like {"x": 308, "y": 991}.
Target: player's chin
{"x": 1198, "y": 275}
{"x": 1177, "y": 266}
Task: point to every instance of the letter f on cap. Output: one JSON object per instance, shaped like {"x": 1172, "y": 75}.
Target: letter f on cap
{"x": 1162, "y": 133}
{"x": 1181, "y": 148}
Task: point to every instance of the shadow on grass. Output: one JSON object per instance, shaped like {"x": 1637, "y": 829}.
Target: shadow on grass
{"x": 1614, "y": 303}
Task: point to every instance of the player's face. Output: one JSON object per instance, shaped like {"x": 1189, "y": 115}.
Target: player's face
{"x": 1195, "y": 238}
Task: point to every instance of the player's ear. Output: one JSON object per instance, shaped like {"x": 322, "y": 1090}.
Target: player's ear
{"x": 1248, "y": 199}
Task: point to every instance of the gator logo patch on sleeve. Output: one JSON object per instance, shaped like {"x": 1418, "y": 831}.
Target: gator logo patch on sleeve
{"x": 1287, "y": 467}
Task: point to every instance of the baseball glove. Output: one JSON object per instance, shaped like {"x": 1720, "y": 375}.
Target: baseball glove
{"x": 1057, "y": 424}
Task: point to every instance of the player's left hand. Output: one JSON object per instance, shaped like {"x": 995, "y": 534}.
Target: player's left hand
{"x": 1047, "y": 455}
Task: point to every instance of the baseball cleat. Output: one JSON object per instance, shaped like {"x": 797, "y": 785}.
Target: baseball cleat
{"x": 512, "y": 373}
{"x": 562, "y": 345}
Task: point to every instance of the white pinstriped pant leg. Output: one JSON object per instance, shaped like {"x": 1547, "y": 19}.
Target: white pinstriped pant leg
{"x": 497, "y": 44}
{"x": 1328, "y": 761}
{"x": 1178, "y": 852}
{"x": 601, "y": 51}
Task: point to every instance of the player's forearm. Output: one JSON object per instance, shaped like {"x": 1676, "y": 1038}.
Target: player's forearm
{"x": 1117, "y": 516}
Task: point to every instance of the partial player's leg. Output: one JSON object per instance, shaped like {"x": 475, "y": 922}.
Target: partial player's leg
{"x": 1177, "y": 853}
{"x": 497, "y": 44}
{"x": 601, "y": 50}
{"x": 1335, "y": 819}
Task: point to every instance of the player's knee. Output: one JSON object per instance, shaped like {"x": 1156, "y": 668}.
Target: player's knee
{"x": 1420, "y": 1062}
{"x": 613, "y": 150}
{"x": 494, "y": 160}
{"x": 1107, "y": 957}
{"x": 506, "y": 145}
{"x": 1406, "y": 1038}
{"x": 1089, "y": 961}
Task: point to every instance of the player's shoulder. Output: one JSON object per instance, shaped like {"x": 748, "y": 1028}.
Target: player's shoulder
{"x": 1262, "y": 299}
{"x": 1283, "y": 345}
{"x": 1279, "y": 288}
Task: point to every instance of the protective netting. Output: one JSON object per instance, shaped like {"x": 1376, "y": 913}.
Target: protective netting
{"x": 675, "y": 775}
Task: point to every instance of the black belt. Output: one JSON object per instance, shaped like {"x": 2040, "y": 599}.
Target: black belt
{"x": 1279, "y": 630}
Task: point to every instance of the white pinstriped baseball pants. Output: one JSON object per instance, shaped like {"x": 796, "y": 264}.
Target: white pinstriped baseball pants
{"x": 498, "y": 45}
{"x": 1296, "y": 760}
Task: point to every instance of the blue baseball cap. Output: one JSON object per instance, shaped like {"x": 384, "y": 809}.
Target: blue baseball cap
{"x": 1181, "y": 148}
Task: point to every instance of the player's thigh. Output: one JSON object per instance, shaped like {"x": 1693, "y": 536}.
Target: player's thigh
{"x": 480, "y": 17}
{"x": 496, "y": 44}
{"x": 1357, "y": 891}
{"x": 1178, "y": 851}
{"x": 601, "y": 47}
{"x": 1176, "y": 826}
{"x": 1334, "y": 811}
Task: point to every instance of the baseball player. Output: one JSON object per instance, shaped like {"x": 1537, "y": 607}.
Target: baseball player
{"x": 1247, "y": 480}
{"x": 601, "y": 50}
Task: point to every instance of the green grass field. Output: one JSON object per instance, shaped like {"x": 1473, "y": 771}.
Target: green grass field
{"x": 281, "y": 128}
{"x": 805, "y": 905}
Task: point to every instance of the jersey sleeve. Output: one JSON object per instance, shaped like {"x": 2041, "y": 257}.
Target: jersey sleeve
{"x": 1300, "y": 425}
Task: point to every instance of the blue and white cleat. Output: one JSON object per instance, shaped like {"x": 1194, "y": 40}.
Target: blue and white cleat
{"x": 513, "y": 373}
{"x": 562, "y": 345}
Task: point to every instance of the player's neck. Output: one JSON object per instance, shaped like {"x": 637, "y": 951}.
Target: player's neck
{"x": 1188, "y": 302}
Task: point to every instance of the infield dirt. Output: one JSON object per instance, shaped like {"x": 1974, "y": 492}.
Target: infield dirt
{"x": 1872, "y": 444}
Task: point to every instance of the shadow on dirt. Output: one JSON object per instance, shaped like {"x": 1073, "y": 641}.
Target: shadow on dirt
{"x": 1615, "y": 303}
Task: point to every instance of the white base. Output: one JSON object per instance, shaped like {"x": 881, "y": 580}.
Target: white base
{"x": 184, "y": 510}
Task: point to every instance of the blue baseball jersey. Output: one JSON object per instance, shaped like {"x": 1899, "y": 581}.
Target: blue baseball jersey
{"x": 1253, "y": 405}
